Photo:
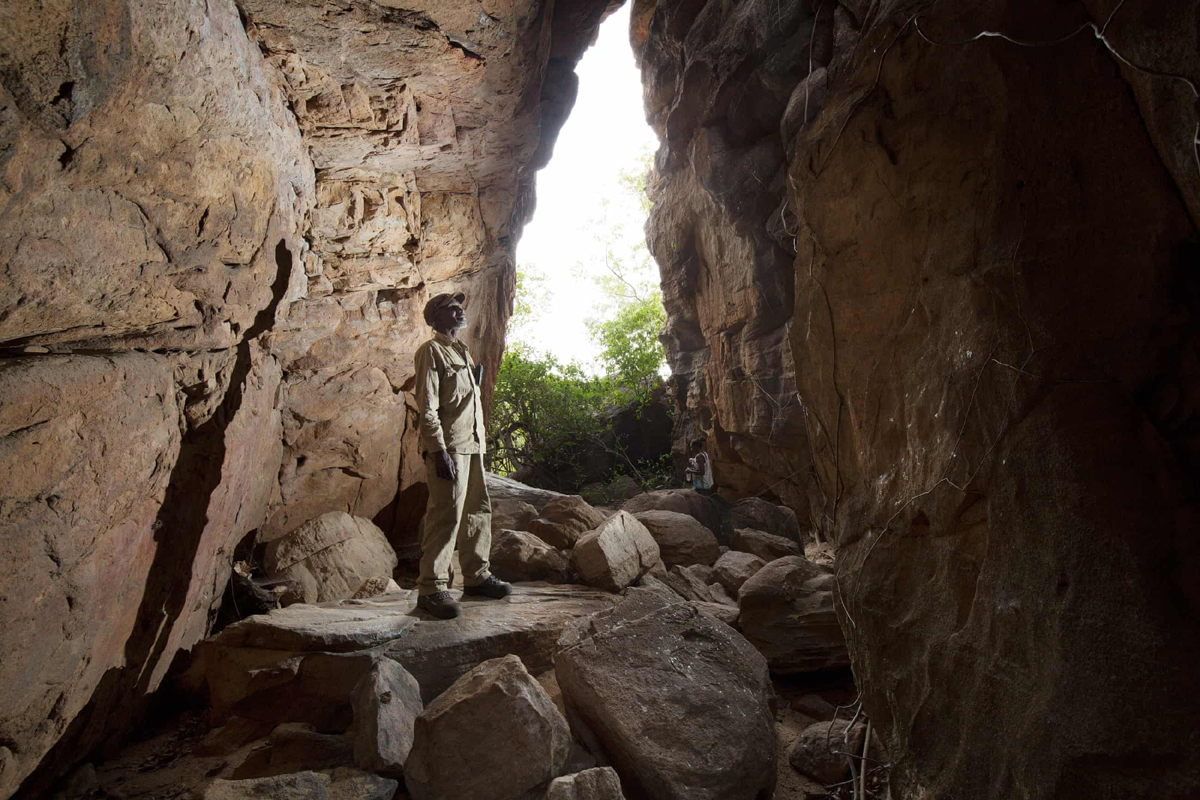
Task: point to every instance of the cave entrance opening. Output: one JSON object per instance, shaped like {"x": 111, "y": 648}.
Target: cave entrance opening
{"x": 580, "y": 402}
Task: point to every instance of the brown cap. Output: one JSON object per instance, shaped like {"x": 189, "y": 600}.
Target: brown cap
{"x": 438, "y": 302}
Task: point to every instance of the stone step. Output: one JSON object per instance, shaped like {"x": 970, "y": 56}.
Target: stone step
{"x": 299, "y": 664}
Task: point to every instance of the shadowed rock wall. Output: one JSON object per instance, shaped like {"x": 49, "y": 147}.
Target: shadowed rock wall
{"x": 218, "y": 225}
{"x": 995, "y": 339}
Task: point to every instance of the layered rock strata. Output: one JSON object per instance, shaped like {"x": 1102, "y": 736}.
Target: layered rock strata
{"x": 219, "y": 224}
{"x": 988, "y": 213}
{"x": 717, "y": 80}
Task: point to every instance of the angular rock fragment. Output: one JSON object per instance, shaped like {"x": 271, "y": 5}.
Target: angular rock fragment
{"x": 521, "y": 556}
{"x": 386, "y": 703}
{"x": 787, "y": 613}
{"x": 601, "y": 783}
{"x": 331, "y": 556}
{"x": 616, "y": 554}
{"x": 735, "y": 568}
{"x": 681, "y": 539}
{"x": 766, "y": 546}
{"x": 565, "y": 520}
{"x": 705, "y": 509}
{"x": 295, "y": 786}
{"x": 758, "y": 514}
{"x": 820, "y": 751}
{"x": 493, "y": 735}
{"x": 676, "y": 701}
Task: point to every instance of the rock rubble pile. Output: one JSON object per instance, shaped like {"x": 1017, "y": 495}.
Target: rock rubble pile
{"x": 647, "y": 687}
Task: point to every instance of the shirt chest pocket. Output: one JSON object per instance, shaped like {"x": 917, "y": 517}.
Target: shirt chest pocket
{"x": 456, "y": 382}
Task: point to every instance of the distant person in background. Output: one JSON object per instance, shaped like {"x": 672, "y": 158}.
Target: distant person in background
{"x": 699, "y": 470}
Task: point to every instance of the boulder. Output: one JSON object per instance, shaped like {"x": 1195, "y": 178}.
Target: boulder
{"x": 493, "y": 735}
{"x": 564, "y": 520}
{"x": 521, "y": 556}
{"x": 677, "y": 702}
{"x": 758, "y": 514}
{"x": 331, "y": 556}
{"x": 787, "y": 613}
{"x": 501, "y": 488}
{"x": 766, "y": 546}
{"x": 601, "y": 783}
{"x": 681, "y": 539}
{"x": 296, "y": 786}
{"x": 512, "y": 514}
{"x": 616, "y": 554}
{"x": 820, "y": 750}
{"x": 386, "y": 703}
{"x": 705, "y": 509}
{"x": 735, "y": 568}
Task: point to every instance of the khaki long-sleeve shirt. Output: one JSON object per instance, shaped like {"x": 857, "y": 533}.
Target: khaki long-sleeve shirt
{"x": 449, "y": 402}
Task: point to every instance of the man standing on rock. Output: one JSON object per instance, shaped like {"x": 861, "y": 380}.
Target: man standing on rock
{"x": 452, "y": 441}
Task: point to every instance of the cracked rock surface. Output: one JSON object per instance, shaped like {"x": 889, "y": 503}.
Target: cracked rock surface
{"x": 960, "y": 272}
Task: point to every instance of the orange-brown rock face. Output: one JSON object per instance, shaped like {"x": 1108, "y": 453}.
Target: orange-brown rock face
{"x": 995, "y": 340}
{"x": 717, "y": 231}
{"x": 423, "y": 123}
{"x": 218, "y": 225}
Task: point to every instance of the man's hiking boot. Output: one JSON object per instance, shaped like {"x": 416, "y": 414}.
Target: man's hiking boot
{"x": 491, "y": 587}
{"x": 440, "y": 604}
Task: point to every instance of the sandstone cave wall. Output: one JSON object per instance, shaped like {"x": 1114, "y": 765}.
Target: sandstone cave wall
{"x": 994, "y": 335}
{"x": 717, "y": 81}
{"x": 218, "y": 225}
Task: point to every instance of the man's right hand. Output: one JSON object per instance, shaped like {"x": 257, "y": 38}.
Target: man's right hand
{"x": 443, "y": 465}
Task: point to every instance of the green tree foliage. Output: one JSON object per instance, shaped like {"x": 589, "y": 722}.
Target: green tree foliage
{"x": 630, "y": 350}
{"x": 543, "y": 414}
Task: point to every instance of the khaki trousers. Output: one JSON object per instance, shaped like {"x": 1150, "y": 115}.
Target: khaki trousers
{"x": 460, "y": 506}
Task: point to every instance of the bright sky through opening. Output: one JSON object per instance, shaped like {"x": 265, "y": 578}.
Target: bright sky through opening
{"x": 579, "y": 196}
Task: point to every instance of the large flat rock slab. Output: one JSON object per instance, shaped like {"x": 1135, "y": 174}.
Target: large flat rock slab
{"x": 526, "y": 624}
{"x": 251, "y": 665}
